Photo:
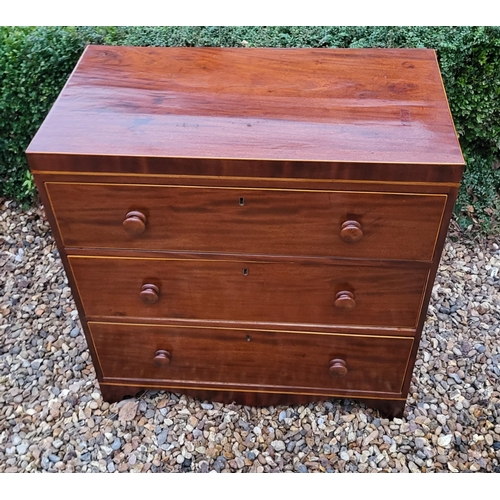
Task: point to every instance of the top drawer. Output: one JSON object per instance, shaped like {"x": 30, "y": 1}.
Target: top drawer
{"x": 248, "y": 221}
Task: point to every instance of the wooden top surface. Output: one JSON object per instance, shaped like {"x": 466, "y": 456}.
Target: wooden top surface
{"x": 340, "y": 105}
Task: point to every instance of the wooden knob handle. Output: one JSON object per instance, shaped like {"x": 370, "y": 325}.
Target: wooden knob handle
{"x": 351, "y": 231}
{"x": 135, "y": 223}
{"x": 337, "y": 368}
{"x": 345, "y": 300}
{"x": 162, "y": 358}
{"x": 149, "y": 294}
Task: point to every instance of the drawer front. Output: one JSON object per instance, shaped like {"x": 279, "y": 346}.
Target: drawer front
{"x": 253, "y": 358}
{"x": 248, "y": 221}
{"x": 277, "y": 292}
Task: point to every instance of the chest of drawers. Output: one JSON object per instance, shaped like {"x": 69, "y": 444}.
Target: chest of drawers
{"x": 253, "y": 225}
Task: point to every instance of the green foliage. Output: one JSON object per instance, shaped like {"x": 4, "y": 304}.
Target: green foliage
{"x": 28, "y": 184}
{"x": 35, "y": 63}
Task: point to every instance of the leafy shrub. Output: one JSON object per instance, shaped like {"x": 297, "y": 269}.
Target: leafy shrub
{"x": 35, "y": 63}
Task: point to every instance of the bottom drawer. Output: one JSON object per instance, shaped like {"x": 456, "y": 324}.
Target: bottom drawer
{"x": 260, "y": 360}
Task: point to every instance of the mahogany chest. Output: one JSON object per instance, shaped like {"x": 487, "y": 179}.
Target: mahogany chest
{"x": 253, "y": 225}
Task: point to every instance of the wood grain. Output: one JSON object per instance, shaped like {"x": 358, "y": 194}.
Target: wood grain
{"x": 271, "y": 222}
{"x": 301, "y": 292}
{"x": 232, "y": 358}
{"x": 355, "y": 105}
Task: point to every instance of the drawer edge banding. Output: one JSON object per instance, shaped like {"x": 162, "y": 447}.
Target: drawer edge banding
{"x": 298, "y": 190}
{"x": 63, "y": 173}
{"x": 210, "y": 327}
{"x": 260, "y": 326}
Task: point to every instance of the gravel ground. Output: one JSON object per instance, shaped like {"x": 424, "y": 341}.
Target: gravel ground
{"x": 52, "y": 417}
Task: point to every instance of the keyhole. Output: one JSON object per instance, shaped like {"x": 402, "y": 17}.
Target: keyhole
{"x": 241, "y": 201}
{"x": 249, "y": 338}
{"x": 245, "y": 271}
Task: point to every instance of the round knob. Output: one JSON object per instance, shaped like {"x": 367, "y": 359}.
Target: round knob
{"x": 351, "y": 231}
{"x": 135, "y": 223}
{"x": 149, "y": 294}
{"x": 162, "y": 358}
{"x": 345, "y": 300}
{"x": 337, "y": 368}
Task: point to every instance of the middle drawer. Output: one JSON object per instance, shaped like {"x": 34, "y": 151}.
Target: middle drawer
{"x": 302, "y": 292}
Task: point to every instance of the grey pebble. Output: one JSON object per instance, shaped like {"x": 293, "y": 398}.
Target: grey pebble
{"x": 243, "y": 424}
{"x": 219, "y": 463}
{"x": 162, "y": 437}
{"x": 57, "y": 443}
{"x": 22, "y": 448}
{"x": 116, "y": 444}
{"x": 107, "y": 450}
{"x": 75, "y": 387}
{"x": 386, "y": 439}
{"x": 302, "y": 469}
{"x": 278, "y": 445}
{"x": 420, "y": 442}
{"x": 36, "y": 364}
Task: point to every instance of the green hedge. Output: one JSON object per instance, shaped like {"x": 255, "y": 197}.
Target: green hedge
{"x": 36, "y": 61}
